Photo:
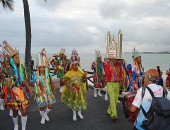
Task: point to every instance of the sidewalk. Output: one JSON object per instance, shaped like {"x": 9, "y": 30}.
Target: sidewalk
{"x": 95, "y": 117}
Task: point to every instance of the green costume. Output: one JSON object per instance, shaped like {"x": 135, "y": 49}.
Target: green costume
{"x": 76, "y": 97}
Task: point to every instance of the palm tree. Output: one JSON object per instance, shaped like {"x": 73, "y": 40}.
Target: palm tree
{"x": 8, "y": 4}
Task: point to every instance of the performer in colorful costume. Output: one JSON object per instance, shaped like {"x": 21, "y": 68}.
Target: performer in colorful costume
{"x": 74, "y": 92}
{"x": 1, "y": 89}
{"x": 98, "y": 74}
{"x": 62, "y": 65}
{"x": 167, "y": 84}
{"x": 137, "y": 67}
{"x": 115, "y": 77}
{"x": 15, "y": 86}
{"x": 132, "y": 79}
{"x": 44, "y": 87}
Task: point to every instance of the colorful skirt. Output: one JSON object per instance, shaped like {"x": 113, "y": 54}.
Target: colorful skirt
{"x": 45, "y": 100}
{"x": 15, "y": 99}
{"x": 74, "y": 100}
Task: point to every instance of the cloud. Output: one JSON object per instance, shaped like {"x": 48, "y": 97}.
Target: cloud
{"x": 84, "y": 24}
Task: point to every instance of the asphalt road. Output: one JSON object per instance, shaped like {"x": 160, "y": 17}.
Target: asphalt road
{"x": 95, "y": 117}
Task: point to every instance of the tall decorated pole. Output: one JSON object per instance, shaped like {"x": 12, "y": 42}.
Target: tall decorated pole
{"x": 108, "y": 40}
{"x": 120, "y": 36}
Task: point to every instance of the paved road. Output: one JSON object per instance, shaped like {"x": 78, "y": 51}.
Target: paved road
{"x": 95, "y": 117}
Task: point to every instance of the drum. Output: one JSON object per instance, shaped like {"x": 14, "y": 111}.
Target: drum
{"x": 128, "y": 99}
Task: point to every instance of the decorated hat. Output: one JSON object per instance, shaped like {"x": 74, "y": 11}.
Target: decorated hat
{"x": 74, "y": 57}
{"x": 62, "y": 51}
{"x": 8, "y": 49}
{"x": 135, "y": 54}
{"x": 42, "y": 60}
{"x": 55, "y": 54}
{"x": 97, "y": 53}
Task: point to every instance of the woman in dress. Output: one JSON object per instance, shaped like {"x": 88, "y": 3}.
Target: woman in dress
{"x": 44, "y": 88}
{"x": 15, "y": 86}
{"x": 74, "y": 92}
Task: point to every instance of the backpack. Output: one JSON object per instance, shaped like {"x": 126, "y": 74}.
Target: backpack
{"x": 158, "y": 116}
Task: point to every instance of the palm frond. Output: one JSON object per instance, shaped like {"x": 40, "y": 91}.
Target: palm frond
{"x": 7, "y": 4}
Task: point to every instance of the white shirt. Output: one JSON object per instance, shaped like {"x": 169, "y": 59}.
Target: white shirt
{"x": 146, "y": 101}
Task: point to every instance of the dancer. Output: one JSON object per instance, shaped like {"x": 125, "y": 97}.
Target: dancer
{"x": 62, "y": 64}
{"x": 16, "y": 87}
{"x": 167, "y": 83}
{"x": 114, "y": 76}
{"x": 74, "y": 92}
{"x": 1, "y": 89}
{"x": 44, "y": 88}
{"x": 138, "y": 68}
{"x": 98, "y": 74}
{"x": 132, "y": 79}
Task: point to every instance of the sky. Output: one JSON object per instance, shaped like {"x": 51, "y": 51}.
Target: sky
{"x": 83, "y": 25}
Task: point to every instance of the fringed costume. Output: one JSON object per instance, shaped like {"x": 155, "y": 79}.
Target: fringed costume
{"x": 44, "y": 88}
{"x": 138, "y": 68}
{"x": 15, "y": 85}
{"x": 74, "y": 92}
{"x": 132, "y": 79}
{"x": 62, "y": 65}
{"x": 98, "y": 74}
{"x": 115, "y": 77}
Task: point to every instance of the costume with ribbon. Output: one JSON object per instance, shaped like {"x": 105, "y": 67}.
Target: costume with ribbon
{"x": 137, "y": 67}
{"x": 14, "y": 81}
{"x": 44, "y": 93}
{"x": 115, "y": 77}
{"x": 132, "y": 79}
{"x": 74, "y": 93}
{"x": 98, "y": 74}
{"x": 61, "y": 64}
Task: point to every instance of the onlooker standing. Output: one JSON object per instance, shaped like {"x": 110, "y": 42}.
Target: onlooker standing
{"x": 168, "y": 79}
{"x": 150, "y": 80}
{"x": 160, "y": 81}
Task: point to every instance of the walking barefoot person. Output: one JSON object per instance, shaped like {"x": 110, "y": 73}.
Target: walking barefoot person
{"x": 44, "y": 88}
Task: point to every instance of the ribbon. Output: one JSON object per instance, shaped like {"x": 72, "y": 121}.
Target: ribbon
{"x": 75, "y": 88}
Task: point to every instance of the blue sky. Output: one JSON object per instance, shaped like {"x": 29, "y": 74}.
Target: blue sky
{"x": 83, "y": 24}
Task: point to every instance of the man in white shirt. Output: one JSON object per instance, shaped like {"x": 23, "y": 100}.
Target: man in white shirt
{"x": 151, "y": 77}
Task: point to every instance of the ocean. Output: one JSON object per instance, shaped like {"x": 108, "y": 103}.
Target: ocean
{"x": 148, "y": 60}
